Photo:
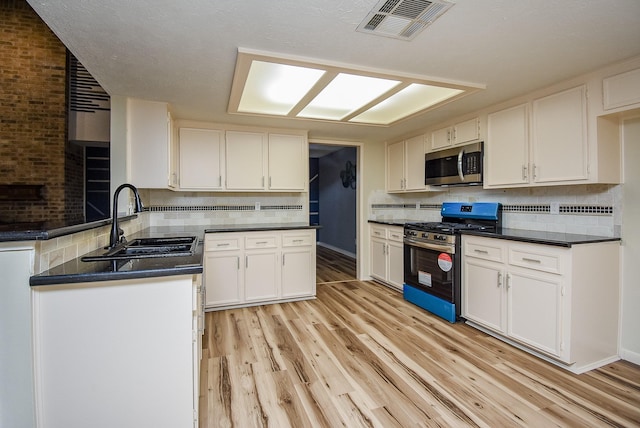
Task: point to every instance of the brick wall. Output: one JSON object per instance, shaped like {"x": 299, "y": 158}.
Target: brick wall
{"x": 33, "y": 115}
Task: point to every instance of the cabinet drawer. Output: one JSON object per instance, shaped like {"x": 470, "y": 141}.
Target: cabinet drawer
{"x": 395, "y": 234}
{"x": 378, "y": 232}
{"x": 484, "y": 251}
{"x": 297, "y": 240}
{"x": 260, "y": 242}
{"x": 219, "y": 243}
{"x": 543, "y": 261}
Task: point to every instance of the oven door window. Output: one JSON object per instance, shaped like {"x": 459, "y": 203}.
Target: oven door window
{"x": 429, "y": 270}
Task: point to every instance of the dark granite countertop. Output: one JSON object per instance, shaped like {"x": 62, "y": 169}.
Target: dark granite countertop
{"x": 523, "y": 235}
{"x": 76, "y": 270}
{"x": 259, "y": 227}
{"x": 539, "y": 237}
{"x": 393, "y": 222}
{"x": 49, "y": 230}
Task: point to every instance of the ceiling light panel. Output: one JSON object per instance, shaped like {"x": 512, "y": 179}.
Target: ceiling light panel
{"x": 410, "y": 100}
{"x": 345, "y": 94}
{"x": 306, "y": 89}
{"x": 273, "y": 88}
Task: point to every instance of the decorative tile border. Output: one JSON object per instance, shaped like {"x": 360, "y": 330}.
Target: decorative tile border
{"x": 599, "y": 210}
{"x": 165, "y": 208}
{"x": 586, "y": 209}
{"x": 527, "y": 208}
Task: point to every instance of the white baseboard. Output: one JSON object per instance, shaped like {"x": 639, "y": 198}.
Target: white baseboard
{"x": 336, "y": 249}
{"x": 632, "y": 357}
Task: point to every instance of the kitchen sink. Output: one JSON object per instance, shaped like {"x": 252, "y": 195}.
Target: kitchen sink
{"x": 143, "y": 248}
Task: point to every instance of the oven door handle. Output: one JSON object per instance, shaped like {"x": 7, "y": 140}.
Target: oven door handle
{"x": 450, "y": 249}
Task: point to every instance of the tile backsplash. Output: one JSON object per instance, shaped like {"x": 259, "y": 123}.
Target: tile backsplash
{"x": 587, "y": 209}
{"x": 169, "y": 208}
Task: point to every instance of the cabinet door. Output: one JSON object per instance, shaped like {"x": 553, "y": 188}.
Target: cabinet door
{"x": 379, "y": 259}
{"x": 201, "y": 160}
{"x": 245, "y": 160}
{"x": 414, "y": 162}
{"x": 395, "y": 167}
{"x": 298, "y": 272}
{"x": 507, "y": 149}
{"x": 396, "y": 264}
{"x": 467, "y": 131}
{"x": 482, "y": 293}
{"x": 534, "y": 316}
{"x": 223, "y": 278}
{"x": 148, "y": 143}
{"x": 560, "y": 137}
{"x": 288, "y": 161}
{"x": 441, "y": 138}
{"x": 261, "y": 277}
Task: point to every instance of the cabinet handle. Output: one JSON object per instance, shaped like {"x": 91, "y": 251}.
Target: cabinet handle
{"x": 219, "y": 181}
{"x": 269, "y": 181}
{"x": 238, "y": 262}
{"x": 480, "y": 251}
{"x": 263, "y": 181}
{"x": 261, "y": 242}
{"x": 499, "y": 279}
{"x": 525, "y": 259}
{"x": 246, "y": 262}
{"x": 535, "y": 172}
{"x": 222, "y": 244}
{"x": 508, "y": 281}
{"x": 283, "y": 256}
{"x": 297, "y": 241}
{"x": 524, "y": 172}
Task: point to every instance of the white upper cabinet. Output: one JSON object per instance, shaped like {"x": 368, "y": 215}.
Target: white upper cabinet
{"x": 559, "y": 137}
{"x": 459, "y": 133}
{"x": 507, "y": 150}
{"x": 288, "y": 162}
{"x": 261, "y": 161}
{"x": 201, "y": 159}
{"x": 246, "y": 160}
{"x": 405, "y": 165}
{"x": 548, "y": 146}
{"x": 148, "y": 144}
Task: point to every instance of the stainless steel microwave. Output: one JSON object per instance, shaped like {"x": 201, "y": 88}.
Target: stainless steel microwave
{"x": 458, "y": 166}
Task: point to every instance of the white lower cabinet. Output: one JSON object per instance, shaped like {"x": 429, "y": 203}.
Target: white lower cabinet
{"x": 387, "y": 255}
{"x": 560, "y": 303}
{"x": 120, "y": 353}
{"x": 246, "y": 268}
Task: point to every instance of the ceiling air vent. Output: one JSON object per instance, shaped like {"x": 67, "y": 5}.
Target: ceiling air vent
{"x": 402, "y": 19}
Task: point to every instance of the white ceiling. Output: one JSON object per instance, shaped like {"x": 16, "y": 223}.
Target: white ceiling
{"x": 184, "y": 52}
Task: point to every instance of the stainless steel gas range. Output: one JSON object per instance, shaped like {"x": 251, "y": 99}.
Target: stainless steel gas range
{"x": 432, "y": 255}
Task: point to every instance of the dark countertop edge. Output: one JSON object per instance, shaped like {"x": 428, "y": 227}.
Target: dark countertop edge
{"x": 43, "y": 235}
{"x": 259, "y": 227}
{"x": 557, "y": 239}
{"x": 36, "y": 281}
{"x": 392, "y": 222}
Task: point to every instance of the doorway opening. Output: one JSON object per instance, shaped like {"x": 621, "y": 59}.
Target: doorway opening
{"x": 333, "y": 196}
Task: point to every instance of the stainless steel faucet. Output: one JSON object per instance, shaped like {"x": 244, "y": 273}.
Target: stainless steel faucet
{"x": 116, "y": 232}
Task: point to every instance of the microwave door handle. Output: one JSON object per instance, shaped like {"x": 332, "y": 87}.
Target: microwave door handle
{"x": 460, "y": 155}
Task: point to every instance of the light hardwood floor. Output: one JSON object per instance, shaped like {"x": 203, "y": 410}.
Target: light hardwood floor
{"x": 359, "y": 355}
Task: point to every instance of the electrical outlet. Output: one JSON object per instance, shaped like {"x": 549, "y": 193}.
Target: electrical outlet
{"x": 257, "y": 206}
{"x": 554, "y": 208}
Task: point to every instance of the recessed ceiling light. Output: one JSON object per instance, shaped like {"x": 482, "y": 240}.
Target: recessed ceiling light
{"x": 301, "y": 88}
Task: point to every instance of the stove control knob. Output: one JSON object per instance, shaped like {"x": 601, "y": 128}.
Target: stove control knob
{"x": 440, "y": 237}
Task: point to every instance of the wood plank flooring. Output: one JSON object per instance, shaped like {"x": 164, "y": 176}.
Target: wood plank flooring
{"x": 332, "y": 266}
{"x": 359, "y": 355}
